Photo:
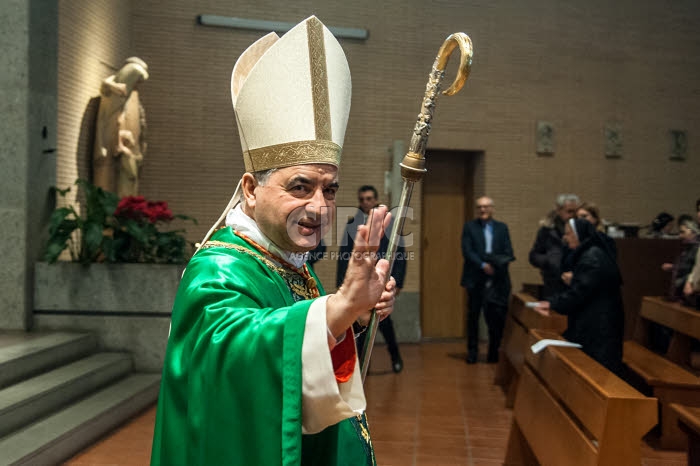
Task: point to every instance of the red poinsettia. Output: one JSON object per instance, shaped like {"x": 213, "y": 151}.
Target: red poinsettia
{"x": 130, "y": 229}
{"x": 158, "y": 211}
{"x": 137, "y": 208}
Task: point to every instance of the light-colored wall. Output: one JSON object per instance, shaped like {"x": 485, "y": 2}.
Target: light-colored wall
{"x": 95, "y": 37}
{"x": 576, "y": 64}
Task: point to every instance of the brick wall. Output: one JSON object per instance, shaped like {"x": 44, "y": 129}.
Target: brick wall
{"x": 575, "y": 64}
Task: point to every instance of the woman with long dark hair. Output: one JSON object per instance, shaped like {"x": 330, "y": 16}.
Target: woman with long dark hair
{"x": 593, "y": 301}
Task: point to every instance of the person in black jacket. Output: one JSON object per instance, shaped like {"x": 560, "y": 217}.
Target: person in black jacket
{"x": 547, "y": 252}
{"x": 487, "y": 251}
{"x": 368, "y": 199}
{"x": 593, "y": 302}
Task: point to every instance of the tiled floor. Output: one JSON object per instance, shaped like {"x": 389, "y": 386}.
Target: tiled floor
{"x": 129, "y": 445}
{"x": 437, "y": 412}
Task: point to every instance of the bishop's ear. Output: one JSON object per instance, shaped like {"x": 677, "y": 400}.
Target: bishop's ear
{"x": 248, "y": 185}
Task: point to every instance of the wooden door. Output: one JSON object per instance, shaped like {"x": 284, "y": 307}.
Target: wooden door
{"x": 447, "y": 202}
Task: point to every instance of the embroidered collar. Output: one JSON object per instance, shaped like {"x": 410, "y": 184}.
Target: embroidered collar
{"x": 305, "y": 288}
{"x": 240, "y": 222}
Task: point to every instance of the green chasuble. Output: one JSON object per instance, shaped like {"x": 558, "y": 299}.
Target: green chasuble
{"x": 231, "y": 389}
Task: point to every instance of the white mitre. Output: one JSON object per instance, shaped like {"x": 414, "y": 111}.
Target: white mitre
{"x": 291, "y": 96}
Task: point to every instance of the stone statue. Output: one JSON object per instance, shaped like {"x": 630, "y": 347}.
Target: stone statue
{"x": 120, "y": 132}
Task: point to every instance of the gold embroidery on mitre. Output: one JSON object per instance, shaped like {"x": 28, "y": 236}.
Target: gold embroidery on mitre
{"x": 292, "y": 153}
{"x": 319, "y": 79}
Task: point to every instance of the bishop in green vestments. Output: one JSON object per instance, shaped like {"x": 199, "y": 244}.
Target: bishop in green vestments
{"x": 261, "y": 368}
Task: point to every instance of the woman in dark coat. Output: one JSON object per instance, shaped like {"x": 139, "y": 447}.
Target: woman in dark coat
{"x": 593, "y": 302}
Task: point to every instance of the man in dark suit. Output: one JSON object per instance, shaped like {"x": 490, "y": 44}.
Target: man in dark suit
{"x": 368, "y": 199}
{"x": 487, "y": 251}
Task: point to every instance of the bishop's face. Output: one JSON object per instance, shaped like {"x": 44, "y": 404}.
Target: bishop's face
{"x": 295, "y": 207}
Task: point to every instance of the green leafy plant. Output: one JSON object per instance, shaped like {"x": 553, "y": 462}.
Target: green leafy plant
{"x": 116, "y": 230}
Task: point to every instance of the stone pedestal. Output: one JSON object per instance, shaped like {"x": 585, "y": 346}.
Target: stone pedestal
{"x": 127, "y": 306}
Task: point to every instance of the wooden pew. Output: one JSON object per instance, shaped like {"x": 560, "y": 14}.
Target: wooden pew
{"x": 689, "y": 422}
{"x": 665, "y": 377}
{"x": 570, "y": 410}
{"x": 515, "y": 344}
{"x": 683, "y": 320}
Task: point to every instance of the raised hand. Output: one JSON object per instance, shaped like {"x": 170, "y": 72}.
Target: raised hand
{"x": 385, "y": 305}
{"x": 366, "y": 280}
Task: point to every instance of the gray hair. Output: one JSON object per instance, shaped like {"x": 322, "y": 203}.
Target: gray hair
{"x": 262, "y": 177}
{"x": 566, "y": 198}
{"x": 691, "y": 225}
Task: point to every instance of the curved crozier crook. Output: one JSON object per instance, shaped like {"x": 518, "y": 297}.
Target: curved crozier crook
{"x": 461, "y": 40}
{"x": 413, "y": 163}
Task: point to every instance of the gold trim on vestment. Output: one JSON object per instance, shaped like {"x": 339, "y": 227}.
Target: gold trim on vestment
{"x": 292, "y": 153}
{"x": 297, "y": 284}
{"x": 319, "y": 79}
{"x": 223, "y": 244}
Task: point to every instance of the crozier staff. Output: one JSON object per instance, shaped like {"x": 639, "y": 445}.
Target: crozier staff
{"x": 413, "y": 164}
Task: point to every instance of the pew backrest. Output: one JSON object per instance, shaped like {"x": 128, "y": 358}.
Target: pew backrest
{"x": 572, "y": 410}
{"x": 521, "y": 319}
{"x": 673, "y": 315}
{"x": 531, "y": 319}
